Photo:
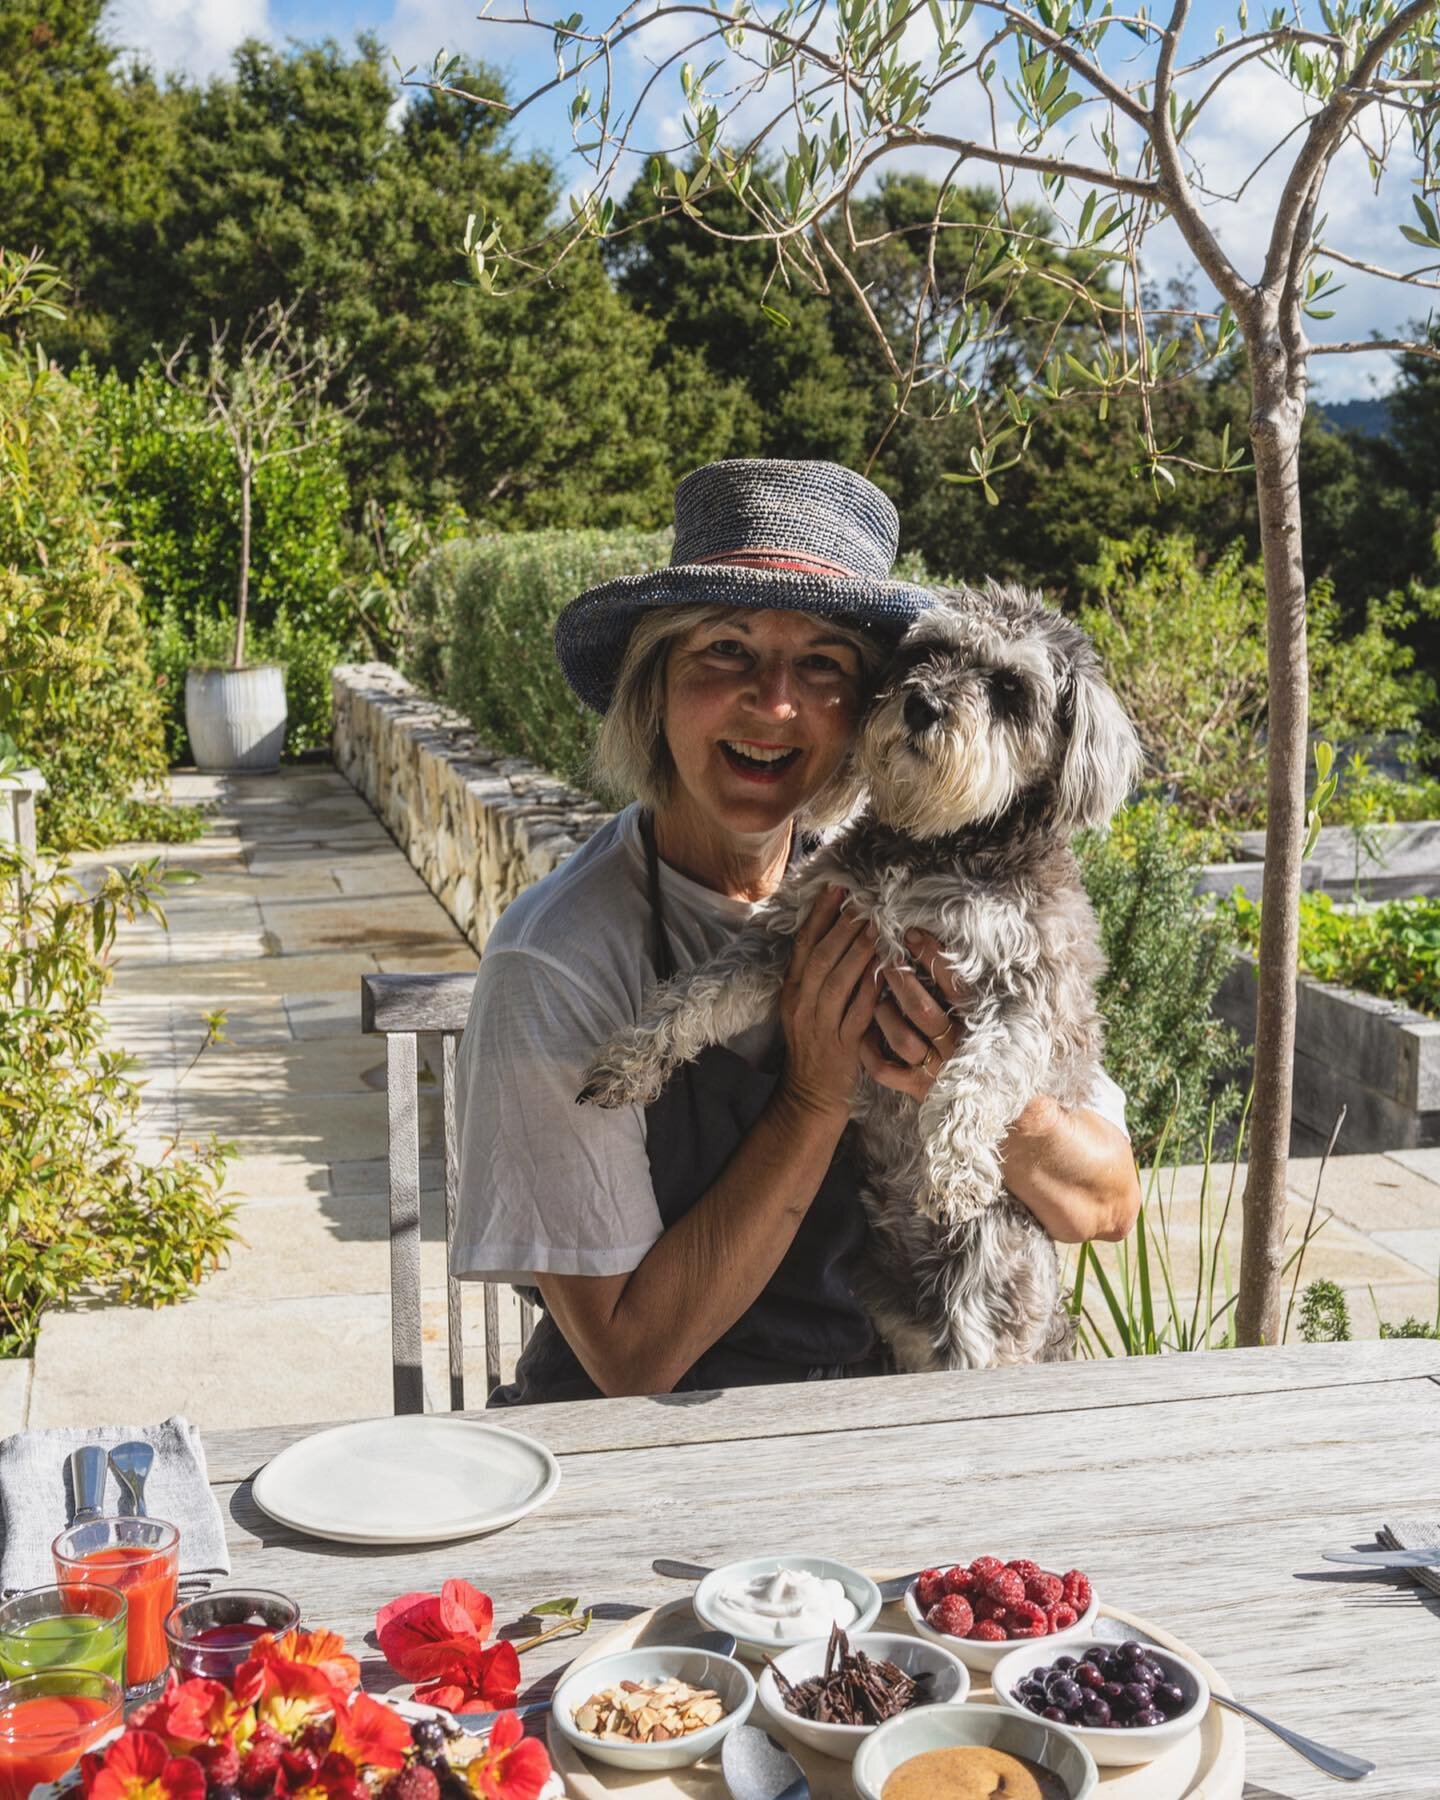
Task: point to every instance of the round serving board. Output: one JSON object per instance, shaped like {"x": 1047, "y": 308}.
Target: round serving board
{"x": 1209, "y": 1764}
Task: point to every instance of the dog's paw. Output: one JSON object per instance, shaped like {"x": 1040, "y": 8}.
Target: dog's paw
{"x": 952, "y": 1204}
{"x": 611, "y": 1085}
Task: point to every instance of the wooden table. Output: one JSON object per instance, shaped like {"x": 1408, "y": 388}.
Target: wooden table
{"x": 1196, "y": 1490}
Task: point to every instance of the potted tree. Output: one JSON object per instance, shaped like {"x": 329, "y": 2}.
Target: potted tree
{"x": 271, "y": 398}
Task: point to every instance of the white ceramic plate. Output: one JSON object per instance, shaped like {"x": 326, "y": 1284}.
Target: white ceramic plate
{"x": 421, "y": 1478}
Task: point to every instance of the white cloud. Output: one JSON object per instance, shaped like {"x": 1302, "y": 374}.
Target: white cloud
{"x": 189, "y": 37}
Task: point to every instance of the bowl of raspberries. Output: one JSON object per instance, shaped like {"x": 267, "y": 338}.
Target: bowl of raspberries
{"x": 1126, "y": 1703}
{"x": 982, "y": 1609}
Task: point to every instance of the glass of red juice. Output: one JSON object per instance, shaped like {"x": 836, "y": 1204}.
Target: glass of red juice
{"x": 48, "y": 1721}
{"x": 141, "y": 1557}
{"x": 211, "y": 1636}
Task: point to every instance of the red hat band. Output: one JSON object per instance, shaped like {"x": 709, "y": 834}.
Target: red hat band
{"x": 797, "y": 561}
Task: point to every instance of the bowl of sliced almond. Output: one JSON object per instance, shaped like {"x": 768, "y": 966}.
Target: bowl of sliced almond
{"x": 656, "y": 1708}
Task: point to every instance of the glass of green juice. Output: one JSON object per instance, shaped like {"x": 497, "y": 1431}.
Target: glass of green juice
{"x": 77, "y": 1625}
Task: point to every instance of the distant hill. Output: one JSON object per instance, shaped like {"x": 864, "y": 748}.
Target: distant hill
{"x": 1371, "y": 418}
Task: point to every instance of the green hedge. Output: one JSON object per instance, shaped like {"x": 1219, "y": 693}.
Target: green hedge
{"x": 481, "y": 616}
{"x": 1167, "y": 952}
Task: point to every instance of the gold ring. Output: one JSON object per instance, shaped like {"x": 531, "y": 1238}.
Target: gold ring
{"x": 925, "y": 1060}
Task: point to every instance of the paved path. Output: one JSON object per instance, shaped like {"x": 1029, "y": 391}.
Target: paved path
{"x": 303, "y": 891}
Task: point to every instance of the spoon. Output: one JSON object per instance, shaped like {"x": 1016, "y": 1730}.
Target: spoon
{"x": 132, "y": 1463}
{"x": 893, "y": 1589}
{"x": 1338, "y": 1764}
{"x": 757, "y": 1768}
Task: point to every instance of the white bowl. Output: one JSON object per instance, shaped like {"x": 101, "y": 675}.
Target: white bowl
{"x": 701, "y": 1668}
{"x": 975, "y": 1653}
{"x": 949, "y": 1684}
{"x": 860, "y": 1588}
{"x": 938, "y": 1727}
{"x": 1112, "y": 1749}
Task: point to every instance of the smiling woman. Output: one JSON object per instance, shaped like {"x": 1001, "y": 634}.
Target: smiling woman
{"x": 710, "y": 1238}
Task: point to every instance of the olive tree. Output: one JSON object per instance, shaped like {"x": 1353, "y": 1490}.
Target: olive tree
{"x": 790, "y": 105}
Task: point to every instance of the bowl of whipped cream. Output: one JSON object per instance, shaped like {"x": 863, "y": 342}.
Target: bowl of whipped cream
{"x": 770, "y": 1602}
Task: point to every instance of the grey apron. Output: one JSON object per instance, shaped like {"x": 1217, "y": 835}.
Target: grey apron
{"x": 807, "y": 1324}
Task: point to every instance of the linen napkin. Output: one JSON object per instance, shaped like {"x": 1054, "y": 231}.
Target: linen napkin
{"x": 35, "y": 1501}
{"x": 1415, "y": 1534}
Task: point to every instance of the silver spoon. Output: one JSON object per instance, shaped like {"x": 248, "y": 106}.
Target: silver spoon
{"x": 893, "y": 1589}
{"x": 132, "y": 1463}
{"x": 757, "y": 1768}
{"x": 1338, "y": 1764}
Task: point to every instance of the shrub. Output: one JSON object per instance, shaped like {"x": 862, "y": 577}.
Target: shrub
{"x": 1183, "y": 642}
{"x": 481, "y": 616}
{"x": 1324, "y": 1314}
{"x": 1167, "y": 953}
{"x": 1392, "y": 950}
{"x": 78, "y": 698}
{"x": 80, "y": 1213}
{"x": 178, "y": 499}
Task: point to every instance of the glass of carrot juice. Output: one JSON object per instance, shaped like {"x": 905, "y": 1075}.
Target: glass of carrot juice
{"x": 141, "y": 1557}
{"x": 48, "y": 1721}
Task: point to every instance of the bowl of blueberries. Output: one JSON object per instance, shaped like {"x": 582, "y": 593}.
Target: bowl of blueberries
{"x": 1126, "y": 1703}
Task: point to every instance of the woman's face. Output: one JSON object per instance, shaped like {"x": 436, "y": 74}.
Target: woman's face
{"x": 759, "y": 712}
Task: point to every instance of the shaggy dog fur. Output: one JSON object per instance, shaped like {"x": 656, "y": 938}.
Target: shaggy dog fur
{"x": 993, "y": 739}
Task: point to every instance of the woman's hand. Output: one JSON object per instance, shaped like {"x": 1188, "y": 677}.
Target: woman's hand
{"x": 912, "y": 1025}
{"x": 827, "y": 1005}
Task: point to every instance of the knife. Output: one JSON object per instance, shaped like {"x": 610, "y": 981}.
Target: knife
{"x": 1387, "y": 1559}
{"x": 88, "y": 1469}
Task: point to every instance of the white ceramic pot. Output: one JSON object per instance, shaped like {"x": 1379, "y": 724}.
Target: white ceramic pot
{"x": 236, "y": 717}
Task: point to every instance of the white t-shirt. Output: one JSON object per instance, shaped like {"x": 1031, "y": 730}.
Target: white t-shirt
{"x": 547, "y": 1186}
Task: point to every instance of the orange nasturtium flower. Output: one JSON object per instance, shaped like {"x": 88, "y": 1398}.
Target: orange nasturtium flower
{"x": 139, "y": 1766}
{"x": 324, "y": 1650}
{"x": 511, "y": 1766}
{"x": 369, "y": 1733}
{"x": 196, "y": 1712}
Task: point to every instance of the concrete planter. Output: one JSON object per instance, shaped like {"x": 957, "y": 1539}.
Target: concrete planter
{"x": 1406, "y": 861}
{"x": 236, "y": 717}
{"x": 1380, "y": 1060}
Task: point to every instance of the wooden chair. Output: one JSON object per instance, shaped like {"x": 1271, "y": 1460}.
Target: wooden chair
{"x": 400, "y": 1008}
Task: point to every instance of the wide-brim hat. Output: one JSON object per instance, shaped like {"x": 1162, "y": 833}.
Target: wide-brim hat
{"x": 775, "y": 536}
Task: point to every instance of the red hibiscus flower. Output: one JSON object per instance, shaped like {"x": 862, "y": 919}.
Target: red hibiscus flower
{"x": 139, "y": 1766}
{"x": 438, "y": 1641}
{"x": 511, "y": 1766}
{"x": 369, "y": 1733}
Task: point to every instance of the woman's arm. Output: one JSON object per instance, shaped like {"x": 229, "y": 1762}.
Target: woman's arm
{"x": 639, "y": 1332}
{"x": 1074, "y": 1170}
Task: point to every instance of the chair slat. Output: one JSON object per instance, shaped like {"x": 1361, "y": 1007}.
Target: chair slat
{"x": 492, "y": 1338}
{"x": 454, "y": 1311}
{"x": 527, "y": 1322}
{"x": 402, "y": 1095}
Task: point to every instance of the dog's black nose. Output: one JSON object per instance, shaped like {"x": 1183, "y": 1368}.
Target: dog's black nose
{"x": 920, "y": 713}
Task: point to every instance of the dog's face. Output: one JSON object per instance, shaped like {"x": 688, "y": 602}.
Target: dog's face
{"x": 993, "y": 695}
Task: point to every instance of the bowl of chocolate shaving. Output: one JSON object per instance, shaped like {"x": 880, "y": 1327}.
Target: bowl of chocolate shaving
{"x": 828, "y": 1693}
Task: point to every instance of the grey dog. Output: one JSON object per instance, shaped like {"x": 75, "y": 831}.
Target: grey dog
{"x": 993, "y": 739}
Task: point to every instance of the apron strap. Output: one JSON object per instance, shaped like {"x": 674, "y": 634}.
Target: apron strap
{"x": 664, "y": 961}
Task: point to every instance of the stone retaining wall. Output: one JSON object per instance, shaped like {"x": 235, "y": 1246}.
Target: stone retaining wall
{"x": 1379, "y": 1060}
{"x": 480, "y": 827}
{"x": 1388, "y": 862}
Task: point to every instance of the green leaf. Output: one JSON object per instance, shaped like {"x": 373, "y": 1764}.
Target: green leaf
{"x": 774, "y": 314}
{"x": 544, "y": 1608}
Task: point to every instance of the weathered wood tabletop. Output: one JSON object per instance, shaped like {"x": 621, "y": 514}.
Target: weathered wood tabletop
{"x": 1197, "y": 1491}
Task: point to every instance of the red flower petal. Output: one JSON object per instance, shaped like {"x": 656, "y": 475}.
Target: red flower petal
{"x": 462, "y": 1605}
{"x": 368, "y": 1732}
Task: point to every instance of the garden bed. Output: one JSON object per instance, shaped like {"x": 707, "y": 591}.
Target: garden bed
{"x": 1393, "y": 861}
{"x": 1378, "y": 1059}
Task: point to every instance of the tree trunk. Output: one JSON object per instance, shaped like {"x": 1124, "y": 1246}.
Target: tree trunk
{"x": 1278, "y": 395}
{"x": 242, "y": 599}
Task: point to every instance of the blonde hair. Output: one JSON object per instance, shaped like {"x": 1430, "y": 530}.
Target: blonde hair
{"x": 631, "y": 759}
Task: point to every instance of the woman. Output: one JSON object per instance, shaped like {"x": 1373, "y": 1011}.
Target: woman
{"x": 706, "y": 1241}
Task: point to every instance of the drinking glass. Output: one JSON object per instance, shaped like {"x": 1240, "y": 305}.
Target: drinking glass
{"x": 211, "y": 1636}
{"x": 141, "y": 1557}
{"x": 47, "y": 1721}
{"x": 75, "y": 1625}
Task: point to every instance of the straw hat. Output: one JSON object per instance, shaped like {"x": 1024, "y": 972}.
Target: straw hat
{"x": 801, "y": 536}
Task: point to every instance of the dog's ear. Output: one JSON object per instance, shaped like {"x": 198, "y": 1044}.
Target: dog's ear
{"x": 1100, "y": 758}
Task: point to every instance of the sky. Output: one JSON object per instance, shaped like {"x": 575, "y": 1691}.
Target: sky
{"x": 196, "y": 37}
